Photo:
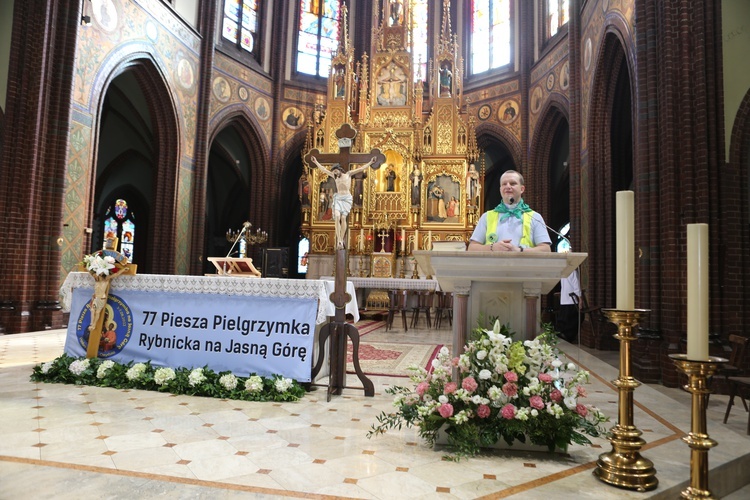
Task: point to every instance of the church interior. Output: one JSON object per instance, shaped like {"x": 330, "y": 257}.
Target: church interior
{"x": 193, "y": 134}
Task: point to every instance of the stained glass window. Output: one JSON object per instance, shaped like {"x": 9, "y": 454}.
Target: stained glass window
{"x": 119, "y": 222}
{"x": 419, "y": 23}
{"x": 490, "y": 34}
{"x": 318, "y": 35}
{"x": 240, "y": 25}
{"x": 557, "y": 15}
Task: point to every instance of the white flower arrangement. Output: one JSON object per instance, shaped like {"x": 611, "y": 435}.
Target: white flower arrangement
{"x": 105, "y": 367}
{"x": 195, "y": 382}
{"x": 163, "y": 375}
{"x": 136, "y": 371}
{"x": 254, "y": 384}
{"x": 196, "y": 377}
{"x": 228, "y": 381}
{"x": 99, "y": 265}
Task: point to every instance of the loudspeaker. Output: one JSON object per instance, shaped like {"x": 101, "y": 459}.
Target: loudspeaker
{"x": 276, "y": 262}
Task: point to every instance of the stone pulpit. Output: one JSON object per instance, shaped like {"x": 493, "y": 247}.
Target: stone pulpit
{"x": 501, "y": 285}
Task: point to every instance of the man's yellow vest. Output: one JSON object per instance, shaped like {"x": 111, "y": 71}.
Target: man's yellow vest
{"x": 526, "y": 241}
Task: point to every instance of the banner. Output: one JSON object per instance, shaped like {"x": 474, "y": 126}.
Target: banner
{"x": 242, "y": 334}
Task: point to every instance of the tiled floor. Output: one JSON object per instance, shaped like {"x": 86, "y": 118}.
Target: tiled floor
{"x": 59, "y": 441}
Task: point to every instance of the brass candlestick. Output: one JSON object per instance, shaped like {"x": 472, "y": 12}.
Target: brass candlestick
{"x": 402, "y": 273}
{"x": 624, "y": 466}
{"x": 698, "y": 373}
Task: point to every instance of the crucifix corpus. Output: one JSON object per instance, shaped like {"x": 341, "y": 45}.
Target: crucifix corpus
{"x": 339, "y": 329}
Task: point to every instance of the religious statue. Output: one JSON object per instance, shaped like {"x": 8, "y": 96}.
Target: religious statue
{"x": 390, "y": 178}
{"x": 304, "y": 191}
{"x": 342, "y": 198}
{"x": 416, "y": 184}
{"x": 446, "y": 77}
{"x": 472, "y": 186}
{"x": 396, "y": 12}
{"x": 339, "y": 82}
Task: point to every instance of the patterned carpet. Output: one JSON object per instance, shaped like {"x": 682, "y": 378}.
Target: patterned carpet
{"x": 391, "y": 359}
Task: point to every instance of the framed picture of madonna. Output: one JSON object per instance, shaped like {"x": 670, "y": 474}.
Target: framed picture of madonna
{"x": 443, "y": 200}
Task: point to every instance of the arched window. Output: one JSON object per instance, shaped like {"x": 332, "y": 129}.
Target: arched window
{"x": 557, "y": 16}
{"x": 240, "y": 24}
{"x": 119, "y": 222}
{"x": 420, "y": 15}
{"x": 318, "y": 35}
{"x": 490, "y": 34}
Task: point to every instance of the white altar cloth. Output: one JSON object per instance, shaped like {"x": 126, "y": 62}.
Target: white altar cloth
{"x": 391, "y": 283}
{"x": 220, "y": 285}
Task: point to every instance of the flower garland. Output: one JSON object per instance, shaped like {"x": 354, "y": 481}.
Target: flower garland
{"x": 509, "y": 390}
{"x": 193, "y": 382}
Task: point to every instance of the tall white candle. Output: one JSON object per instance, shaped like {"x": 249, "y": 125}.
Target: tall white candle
{"x": 416, "y": 239}
{"x": 361, "y": 239}
{"x": 403, "y": 239}
{"x": 625, "y": 251}
{"x": 697, "y": 292}
{"x": 429, "y": 240}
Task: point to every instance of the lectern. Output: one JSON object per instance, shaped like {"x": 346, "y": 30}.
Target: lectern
{"x": 503, "y": 285}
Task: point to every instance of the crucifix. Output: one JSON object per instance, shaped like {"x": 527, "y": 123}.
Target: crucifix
{"x": 339, "y": 329}
{"x": 382, "y": 235}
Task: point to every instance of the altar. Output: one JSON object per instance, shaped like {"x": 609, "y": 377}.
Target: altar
{"x": 265, "y": 326}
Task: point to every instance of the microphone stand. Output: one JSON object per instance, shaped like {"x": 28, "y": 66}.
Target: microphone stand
{"x": 244, "y": 228}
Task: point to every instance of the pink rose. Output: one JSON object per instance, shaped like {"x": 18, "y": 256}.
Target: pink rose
{"x": 469, "y": 384}
{"x": 483, "y": 411}
{"x": 511, "y": 376}
{"x": 581, "y": 391}
{"x": 454, "y": 361}
{"x": 446, "y": 410}
{"x": 536, "y": 402}
{"x": 545, "y": 377}
{"x": 422, "y": 388}
{"x": 556, "y": 396}
{"x": 510, "y": 389}
{"x": 508, "y": 412}
{"x": 582, "y": 410}
{"x": 450, "y": 388}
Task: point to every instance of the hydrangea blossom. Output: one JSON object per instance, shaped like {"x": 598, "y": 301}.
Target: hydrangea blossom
{"x": 163, "y": 375}
{"x": 79, "y": 366}
{"x": 107, "y": 365}
{"x": 136, "y": 371}
{"x": 228, "y": 381}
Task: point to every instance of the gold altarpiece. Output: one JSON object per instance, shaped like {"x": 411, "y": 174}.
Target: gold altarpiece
{"x": 428, "y": 187}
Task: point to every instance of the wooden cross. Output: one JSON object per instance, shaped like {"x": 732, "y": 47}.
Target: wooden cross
{"x": 339, "y": 329}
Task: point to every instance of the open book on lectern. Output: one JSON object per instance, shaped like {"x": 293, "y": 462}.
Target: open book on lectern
{"x": 235, "y": 266}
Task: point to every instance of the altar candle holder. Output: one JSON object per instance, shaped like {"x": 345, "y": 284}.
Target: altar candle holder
{"x": 402, "y": 272}
{"x": 698, "y": 373}
{"x": 624, "y": 466}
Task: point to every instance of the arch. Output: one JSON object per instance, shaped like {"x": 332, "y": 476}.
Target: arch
{"x": 161, "y": 245}
{"x": 612, "y": 81}
{"x": 735, "y": 189}
{"x": 554, "y": 114}
{"x": 289, "y": 215}
{"x": 491, "y": 137}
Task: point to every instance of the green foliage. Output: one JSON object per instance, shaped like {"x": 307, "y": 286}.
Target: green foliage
{"x": 193, "y": 382}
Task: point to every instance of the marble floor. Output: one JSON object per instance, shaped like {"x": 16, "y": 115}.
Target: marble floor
{"x": 62, "y": 441}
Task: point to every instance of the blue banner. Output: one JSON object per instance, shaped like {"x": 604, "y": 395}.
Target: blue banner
{"x": 241, "y": 334}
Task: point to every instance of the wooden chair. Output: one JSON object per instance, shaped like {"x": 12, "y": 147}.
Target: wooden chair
{"x": 733, "y": 374}
{"x": 738, "y": 386}
{"x": 595, "y": 313}
{"x": 425, "y": 299}
{"x": 444, "y": 308}
{"x": 397, "y": 304}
